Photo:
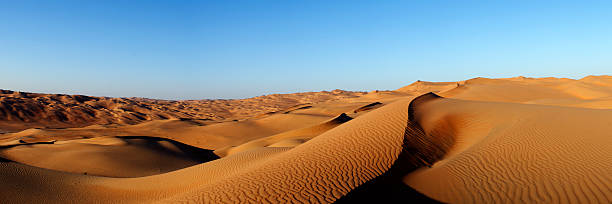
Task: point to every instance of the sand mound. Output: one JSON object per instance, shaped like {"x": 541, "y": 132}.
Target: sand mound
{"x": 110, "y": 156}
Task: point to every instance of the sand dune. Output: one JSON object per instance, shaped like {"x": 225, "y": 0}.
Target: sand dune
{"x": 332, "y": 177}
{"x": 111, "y": 156}
{"x": 287, "y": 139}
{"x": 506, "y": 152}
{"x": 527, "y": 140}
{"x": 195, "y": 132}
{"x": 545, "y": 91}
{"x": 22, "y": 110}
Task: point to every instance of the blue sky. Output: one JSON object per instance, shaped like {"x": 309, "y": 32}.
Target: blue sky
{"x": 239, "y": 49}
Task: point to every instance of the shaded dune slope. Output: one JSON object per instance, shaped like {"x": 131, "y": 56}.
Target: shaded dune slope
{"x": 419, "y": 148}
{"x": 368, "y": 107}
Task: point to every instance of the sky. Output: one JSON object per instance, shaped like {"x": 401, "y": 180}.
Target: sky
{"x": 240, "y": 49}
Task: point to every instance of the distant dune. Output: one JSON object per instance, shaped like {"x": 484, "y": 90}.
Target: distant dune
{"x": 21, "y": 110}
{"x": 510, "y": 140}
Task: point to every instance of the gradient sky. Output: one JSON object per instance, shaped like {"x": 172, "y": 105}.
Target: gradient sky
{"x": 239, "y": 49}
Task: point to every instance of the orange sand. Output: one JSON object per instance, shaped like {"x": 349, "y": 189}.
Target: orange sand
{"x": 521, "y": 140}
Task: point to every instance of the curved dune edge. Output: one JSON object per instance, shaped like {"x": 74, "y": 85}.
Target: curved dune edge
{"x": 506, "y": 152}
{"x": 320, "y": 170}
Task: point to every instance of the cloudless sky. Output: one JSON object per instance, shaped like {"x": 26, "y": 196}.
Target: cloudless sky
{"x": 238, "y": 49}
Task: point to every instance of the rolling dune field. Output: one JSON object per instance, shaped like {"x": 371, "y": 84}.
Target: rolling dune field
{"x": 507, "y": 140}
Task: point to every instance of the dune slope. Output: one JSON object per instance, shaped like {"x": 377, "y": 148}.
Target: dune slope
{"x": 504, "y": 152}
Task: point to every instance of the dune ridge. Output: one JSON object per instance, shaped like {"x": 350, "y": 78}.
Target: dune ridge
{"x": 508, "y": 140}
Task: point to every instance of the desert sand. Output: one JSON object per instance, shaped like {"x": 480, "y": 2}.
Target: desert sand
{"x": 507, "y": 140}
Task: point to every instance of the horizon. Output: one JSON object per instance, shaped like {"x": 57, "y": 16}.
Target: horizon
{"x": 221, "y": 50}
{"x": 363, "y": 91}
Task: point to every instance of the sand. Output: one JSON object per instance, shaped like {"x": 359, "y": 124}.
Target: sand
{"x": 23, "y": 110}
{"x": 510, "y": 140}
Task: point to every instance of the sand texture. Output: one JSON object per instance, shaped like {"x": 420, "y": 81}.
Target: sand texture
{"x": 510, "y": 140}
